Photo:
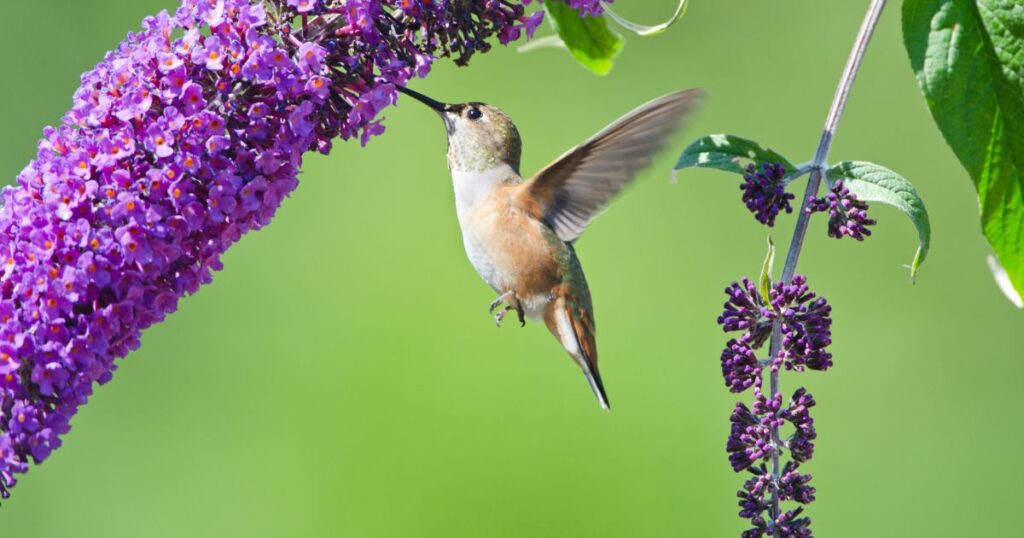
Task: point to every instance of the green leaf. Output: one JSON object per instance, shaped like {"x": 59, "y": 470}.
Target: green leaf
{"x": 765, "y": 281}
{"x": 729, "y": 153}
{"x": 969, "y": 60}
{"x": 588, "y": 39}
{"x": 642, "y": 30}
{"x": 874, "y": 183}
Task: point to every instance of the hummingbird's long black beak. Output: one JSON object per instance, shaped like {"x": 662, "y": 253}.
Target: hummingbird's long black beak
{"x": 438, "y": 106}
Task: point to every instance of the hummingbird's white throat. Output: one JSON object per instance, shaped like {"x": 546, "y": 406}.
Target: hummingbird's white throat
{"x": 474, "y": 186}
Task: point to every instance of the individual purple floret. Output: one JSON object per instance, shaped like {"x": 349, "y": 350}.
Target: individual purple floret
{"x": 847, "y": 216}
{"x": 801, "y": 443}
{"x": 764, "y": 192}
{"x": 187, "y": 136}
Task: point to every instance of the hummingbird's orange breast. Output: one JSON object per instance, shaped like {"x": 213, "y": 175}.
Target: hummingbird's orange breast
{"x": 512, "y": 250}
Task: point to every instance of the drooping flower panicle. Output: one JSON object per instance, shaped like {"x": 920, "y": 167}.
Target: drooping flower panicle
{"x": 187, "y": 136}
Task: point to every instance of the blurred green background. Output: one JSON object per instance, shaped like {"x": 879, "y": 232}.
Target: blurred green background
{"x": 341, "y": 377}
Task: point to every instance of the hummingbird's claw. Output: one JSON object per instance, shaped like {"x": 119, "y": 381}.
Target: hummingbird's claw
{"x": 509, "y": 298}
{"x": 500, "y": 316}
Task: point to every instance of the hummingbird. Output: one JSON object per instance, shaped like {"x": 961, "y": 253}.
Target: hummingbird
{"x": 519, "y": 234}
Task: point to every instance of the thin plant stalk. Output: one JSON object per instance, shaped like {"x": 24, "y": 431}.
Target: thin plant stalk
{"x": 835, "y": 112}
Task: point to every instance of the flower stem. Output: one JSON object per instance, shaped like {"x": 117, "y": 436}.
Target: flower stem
{"x": 842, "y": 95}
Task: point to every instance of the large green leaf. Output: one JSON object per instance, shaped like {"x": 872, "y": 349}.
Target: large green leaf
{"x": 729, "y": 153}
{"x": 589, "y": 39}
{"x": 969, "y": 61}
{"x": 874, "y": 183}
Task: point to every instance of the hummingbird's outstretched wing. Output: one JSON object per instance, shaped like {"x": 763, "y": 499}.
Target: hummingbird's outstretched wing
{"x": 570, "y": 191}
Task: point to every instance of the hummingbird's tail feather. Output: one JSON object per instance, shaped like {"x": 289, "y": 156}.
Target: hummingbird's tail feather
{"x": 572, "y": 323}
{"x": 596, "y": 385}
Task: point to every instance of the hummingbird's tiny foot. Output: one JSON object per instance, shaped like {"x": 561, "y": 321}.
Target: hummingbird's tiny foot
{"x": 500, "y": 316}
{"x": 506, "y": 297}
{"x": 521, "y": 314}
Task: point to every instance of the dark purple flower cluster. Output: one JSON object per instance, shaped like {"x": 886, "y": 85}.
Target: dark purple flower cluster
{"x": 754, "y": 502}
{"x": 804, "y": 319}
{"x": 764, "y": 192}
{"x": 801, "y": 443}
{"x": 804, "y": 324}
{"x": 750, "y": 439}
{"x": 847, "y": 216}
{"x": 187, "y": 136}
{"x": 754, "y": 437}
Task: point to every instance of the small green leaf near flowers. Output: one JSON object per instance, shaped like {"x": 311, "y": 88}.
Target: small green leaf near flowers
{"x": 589, "y": 39}
{"x": 764, "y": 283}
{"x": 729, "y": 153}
{"x": 873, "y": 183}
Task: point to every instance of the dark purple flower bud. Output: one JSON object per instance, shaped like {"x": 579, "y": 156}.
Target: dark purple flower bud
{"x": 801, "y": 443}
{"x": 847, "y": 216}
{"x": 764, "y": 192}
{"x": 749, "y": 440}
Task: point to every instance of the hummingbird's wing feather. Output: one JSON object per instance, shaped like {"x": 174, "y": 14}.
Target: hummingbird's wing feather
{"x": 571, "y": 190}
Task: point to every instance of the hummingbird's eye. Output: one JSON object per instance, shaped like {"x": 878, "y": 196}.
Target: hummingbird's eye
{"x": 474, "y": 114}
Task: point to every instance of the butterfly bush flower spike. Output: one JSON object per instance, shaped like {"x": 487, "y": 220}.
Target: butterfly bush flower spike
{"x": 756, "y": 433}
{"x": 184, "y": 138}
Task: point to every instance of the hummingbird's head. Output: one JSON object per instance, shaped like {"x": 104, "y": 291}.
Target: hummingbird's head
{"x": 480, "y": 136}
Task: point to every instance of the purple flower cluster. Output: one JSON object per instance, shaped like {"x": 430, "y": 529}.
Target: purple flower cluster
{"x": 804, "y": 323}
{"x": 188, "y": 135}
{"x": 754, "y": 502}
{"x": 804, "y": 319}
{"x": 764, "y": 192}
{"x": 753, "y": 440}
{"x": 847, "y": 216}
